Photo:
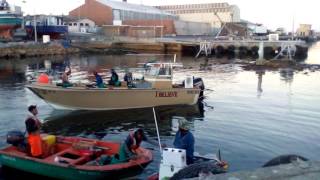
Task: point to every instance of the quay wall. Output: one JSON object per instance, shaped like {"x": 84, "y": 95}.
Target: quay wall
{"x": 218, "y": 49}
{"x": 295, "y": 171}
{"x": 35, "y": 50}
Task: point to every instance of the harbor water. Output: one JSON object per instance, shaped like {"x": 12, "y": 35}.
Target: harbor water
{"x": 251, "y": 116}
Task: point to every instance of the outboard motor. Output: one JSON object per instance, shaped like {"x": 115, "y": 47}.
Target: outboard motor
{"x": 198, "y": 83}
{"x": 16, "y": 138}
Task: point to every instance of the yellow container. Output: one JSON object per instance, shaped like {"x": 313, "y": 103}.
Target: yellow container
{"x": 49, "y": 139}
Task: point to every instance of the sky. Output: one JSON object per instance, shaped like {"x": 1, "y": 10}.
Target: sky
{"x": 271, "y": 13}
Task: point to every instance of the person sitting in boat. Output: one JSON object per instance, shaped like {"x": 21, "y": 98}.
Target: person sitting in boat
{"x": 128, "y": 149}
{"x": 114, "y": 80}
{"x": 184, "y": 140}
{"x": 99, "y": 81}
{"x": 33, "y": 126}
{"x": 128, "y": 78}
{"x": 65, "y": 78}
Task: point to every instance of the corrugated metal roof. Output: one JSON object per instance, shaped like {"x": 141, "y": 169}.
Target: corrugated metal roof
{"x": 132, "y": 7}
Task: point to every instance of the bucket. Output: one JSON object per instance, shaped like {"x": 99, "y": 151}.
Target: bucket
{"x": 43, "y": 78}
{"x": 49, "y": 139}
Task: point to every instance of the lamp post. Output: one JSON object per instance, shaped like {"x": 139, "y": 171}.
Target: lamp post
{"x": 34, "y": 25}
{"x": 35, "y": 29}
{"x": 79, "y": 14}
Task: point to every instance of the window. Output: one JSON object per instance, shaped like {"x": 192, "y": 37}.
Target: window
{"x": 75, "y": 24}
{"x": 70, "y": 24}
{"x": 87, "y": 24}
{"x": 81, "y": 24}
{"x": 116, "y": 14}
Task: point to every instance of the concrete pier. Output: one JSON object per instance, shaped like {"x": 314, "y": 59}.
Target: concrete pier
{"x": 300, "y": 170}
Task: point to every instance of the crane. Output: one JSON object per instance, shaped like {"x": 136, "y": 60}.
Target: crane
{"x": 223, "y": 25}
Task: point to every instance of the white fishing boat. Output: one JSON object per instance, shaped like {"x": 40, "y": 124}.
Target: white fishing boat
{"x": 156, "y": 89}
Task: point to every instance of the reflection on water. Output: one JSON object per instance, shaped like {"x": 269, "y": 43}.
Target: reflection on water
{"x": 260, "y": 74}
{"x": 88, "y": 122}
{"x": 257, "y": 114}
{"x": 314, "y": 54}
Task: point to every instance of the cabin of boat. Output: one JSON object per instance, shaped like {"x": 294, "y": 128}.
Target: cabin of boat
{"x": 72, "y": 159}
{"x": 155, "y": 89}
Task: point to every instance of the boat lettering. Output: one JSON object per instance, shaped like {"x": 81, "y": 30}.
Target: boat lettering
{"x": 47, "y": 91}
{"x": 192, "y": 92}
{"x": 166, "y": 94}
{"x": 8, "y": 158}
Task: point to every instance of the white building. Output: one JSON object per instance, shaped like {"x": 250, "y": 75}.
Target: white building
{"x": 213, "y": 13}
{"x": 81, "y": 26}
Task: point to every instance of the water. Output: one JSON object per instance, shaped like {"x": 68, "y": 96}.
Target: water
{"x": 257, "y": 115}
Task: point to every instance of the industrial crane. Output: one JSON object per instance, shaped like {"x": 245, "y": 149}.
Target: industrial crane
{"x": 223, "y": 25}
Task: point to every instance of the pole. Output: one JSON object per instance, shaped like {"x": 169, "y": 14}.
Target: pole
{"x": 35, "y": 29}
{"x": 155, "y": 120}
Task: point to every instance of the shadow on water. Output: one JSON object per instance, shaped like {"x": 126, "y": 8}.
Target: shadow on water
{"x": 84, "y": 123}
{"x": 7, "y": 173}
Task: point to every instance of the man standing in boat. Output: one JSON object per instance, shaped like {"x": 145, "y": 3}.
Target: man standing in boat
{"x": 33, "y": 126}
{"x": 184, "y": 140}
{"x": 65, "y": 78}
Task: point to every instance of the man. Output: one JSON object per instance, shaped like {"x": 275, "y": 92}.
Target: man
{"x": 128, "y": 78}
{"x": 184, "y": 140}
{"x": 99, "y": 81}
{"x": 128, "y": 149}
{"x": 65, "y": 78}
{"x": 33, "y": 126}
{"x": 114, "y": 78}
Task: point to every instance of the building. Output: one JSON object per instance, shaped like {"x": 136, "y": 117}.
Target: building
{"x": 214, "y": 13}
{"x": 304, "y": 30}
{"x": 76, "y": 25}
{"x": 107, "y": 12}
{"x": 124, "y": 19}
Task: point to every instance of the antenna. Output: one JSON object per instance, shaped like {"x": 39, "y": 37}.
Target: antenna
{"x": 292, "y": 35}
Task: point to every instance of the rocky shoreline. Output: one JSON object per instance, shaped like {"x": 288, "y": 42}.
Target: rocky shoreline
{"x": 34, "y": 50}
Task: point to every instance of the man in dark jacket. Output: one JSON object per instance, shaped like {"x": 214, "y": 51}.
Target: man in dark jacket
{"x": 184, "y": 140}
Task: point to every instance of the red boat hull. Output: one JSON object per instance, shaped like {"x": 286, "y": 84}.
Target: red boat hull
{"x": 73, "y": 162}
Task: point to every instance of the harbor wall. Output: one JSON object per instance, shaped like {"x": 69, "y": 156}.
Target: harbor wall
{"x": 35, "y": 50}
{"x": 217, "y": 49}
{"x": 298, "y": 170}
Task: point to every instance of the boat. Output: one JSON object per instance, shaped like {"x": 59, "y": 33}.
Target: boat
{"x": 10, "y": 19}
{"x": 156, "y": 89}
{"x": 71, "y": 159}
{"x": 173, "y": 165}
{"x": 46, "y": 25}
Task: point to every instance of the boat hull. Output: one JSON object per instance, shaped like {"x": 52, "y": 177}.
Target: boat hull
{"x": 62, "y": 172}
{"x": 110, "y": 99}
{"x": 10, "y": 22}
{"x": 53, "y": 31}
{"x": 13, "y": 158}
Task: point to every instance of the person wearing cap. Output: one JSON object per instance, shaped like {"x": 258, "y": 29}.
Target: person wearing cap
{"x": 33, "y": 126}
{"x": 184, "y": 140}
